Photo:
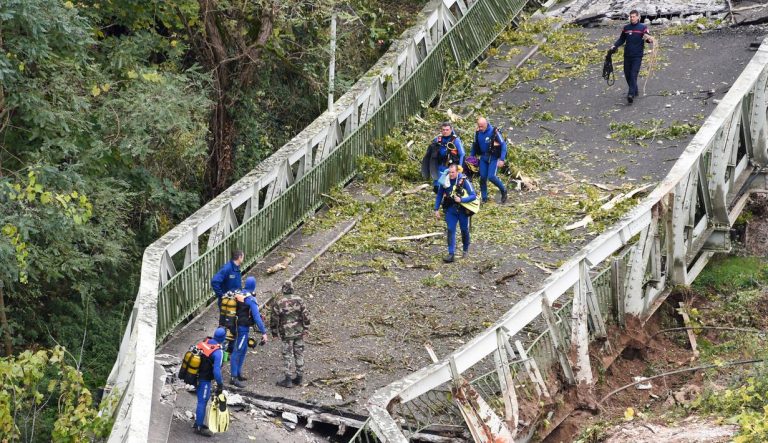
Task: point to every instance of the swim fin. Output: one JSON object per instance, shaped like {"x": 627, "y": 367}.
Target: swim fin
{"x": 218, "y": 414}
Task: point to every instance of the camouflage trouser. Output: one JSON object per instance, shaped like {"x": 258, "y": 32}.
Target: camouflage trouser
{"x": 293, "y": 347}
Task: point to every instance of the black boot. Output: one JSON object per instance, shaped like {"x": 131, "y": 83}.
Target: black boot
{"x": 203, "y": 430}
{"x": 286, "y": 382}
{"x": 298, "y": 379}
{"x": 448, "y": 258}
{"x": 241, "y": 378}
{"x": 503, "y": 196}
{"x": 236, "y": 382}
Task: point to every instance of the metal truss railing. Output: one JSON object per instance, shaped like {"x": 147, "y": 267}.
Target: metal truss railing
{"x": 664, "y": 241}
{"x": 269, "y": 202}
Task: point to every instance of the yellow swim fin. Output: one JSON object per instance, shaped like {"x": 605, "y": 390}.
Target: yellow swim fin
{"x": 218, "y": 414}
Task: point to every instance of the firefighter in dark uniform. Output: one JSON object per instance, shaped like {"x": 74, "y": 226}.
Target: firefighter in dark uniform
{"x": 635, "y": 34}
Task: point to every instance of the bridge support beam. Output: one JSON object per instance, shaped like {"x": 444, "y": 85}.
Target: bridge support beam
{"x": 558, "y": 342}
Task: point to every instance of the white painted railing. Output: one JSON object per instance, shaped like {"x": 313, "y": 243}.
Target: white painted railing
{"x": 681, "y": 224}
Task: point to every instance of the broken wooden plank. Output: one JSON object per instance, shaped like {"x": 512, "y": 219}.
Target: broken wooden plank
{"x": 417, "y": 189}
{"x": 579, "y": 224}
{"x": 691, "y": 335}
{"x": 415, "y": 237}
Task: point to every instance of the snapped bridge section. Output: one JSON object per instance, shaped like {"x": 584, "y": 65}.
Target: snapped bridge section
{"x": 618, "y": 278}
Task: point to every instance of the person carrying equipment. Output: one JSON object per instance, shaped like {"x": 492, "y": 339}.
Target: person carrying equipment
{"x": 453, "y": 200}
{"x": 247, "y": 314}
{"x": 445, "y": 149}
{"x": 635, "y": 34}
{"x": 229, "y": 277}
{"x": 210, "y": 354}
{"x": 289, "y": 320}
{"x": 491, "y": 149}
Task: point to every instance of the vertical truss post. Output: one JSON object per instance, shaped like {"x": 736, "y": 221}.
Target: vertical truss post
{"x": 580, "y": 329}
{"x": 676, "y": 235}
{"x": 617, "y": 289}
{"x": 557, "y": 340}
{"x": 595, "y": 316}
{"x": 506, "y": 382}
{"x": 532, "y": 368}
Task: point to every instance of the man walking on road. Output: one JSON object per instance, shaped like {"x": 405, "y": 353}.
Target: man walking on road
{"x": 290, "y": 321}
{"x": 635, "y": 34}
{"x": 489, "y": 146}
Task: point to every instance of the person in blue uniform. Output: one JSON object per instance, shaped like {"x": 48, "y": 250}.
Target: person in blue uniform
{"x": 491, "y": 150}
{"x": 247, "y": 315}
{"x": 229, "y": 277}
{"x": 445, "y": 149}
{"x": 459, "y": 191}
{"x": 634, "y": 35}
{"x": 210, "y": 369}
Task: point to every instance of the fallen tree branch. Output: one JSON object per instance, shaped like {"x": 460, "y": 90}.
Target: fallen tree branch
{"x": 283, "y": 264}
{"x": 680, "y": 371}
{"x": 512, "y": 274}
{"x": 719, "y": 328}
{"x": 336, "y": 380}
{"x": 332, "y": 198}
{"x": 415, "y": 237}
{"x": 417, "y": 189}
{"x": 621, "y": 197}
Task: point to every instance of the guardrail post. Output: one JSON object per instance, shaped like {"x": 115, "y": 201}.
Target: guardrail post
{"x": 506, "y": 382}
{"x": 532, "y": 368}
{"x": 676, "y": 237}
{"x": 192, "y": 251}
{"x": 634, "y": 303}
{"x": 167, "y": 268}
{"x": 595, "y": 316}
{"x": 557, "y": 341}
{"x": 617, "y": 289}
{"x": 580, "y": 328}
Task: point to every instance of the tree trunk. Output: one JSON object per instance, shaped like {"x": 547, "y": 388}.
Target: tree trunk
{"x": 4, "y": 324}
{"x": 233, "y": 63}
{"x": 218, "y": 171}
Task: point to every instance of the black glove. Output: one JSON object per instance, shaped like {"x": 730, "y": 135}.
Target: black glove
{"x": 219, "y": 388}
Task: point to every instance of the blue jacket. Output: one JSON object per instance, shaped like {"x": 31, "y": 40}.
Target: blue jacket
{"x": 633, "y": 36}
{"x": 481, "y": 147}
{"x": 251, "y": 302}
{"x": 227, "y": 279}
{"x": 442, "y": 154}
{"x": 470, "y": 194}
{"x": 218, "y": 356}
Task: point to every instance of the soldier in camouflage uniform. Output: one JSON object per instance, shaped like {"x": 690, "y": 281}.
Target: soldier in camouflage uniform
{"x": 290, "y": 321}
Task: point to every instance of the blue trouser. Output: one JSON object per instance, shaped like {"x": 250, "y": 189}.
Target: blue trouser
{"x": 631, "y": 71}
{"x": 452, "y": 216}
{"x": 239, "y": 351}
{"x": 203, "y": 395}
{"x": 488, "y": 167}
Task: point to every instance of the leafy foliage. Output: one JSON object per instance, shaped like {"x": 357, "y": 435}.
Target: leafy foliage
{"x": 32, "y": 381}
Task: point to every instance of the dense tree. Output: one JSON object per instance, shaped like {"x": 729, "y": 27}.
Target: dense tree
{"x": 120, "y": 118}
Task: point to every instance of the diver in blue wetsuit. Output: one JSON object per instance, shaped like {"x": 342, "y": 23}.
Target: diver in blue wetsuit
{"x": 460, "y": 191}
{"x": 247, "y": 315}
{"x": 210, "y": 369}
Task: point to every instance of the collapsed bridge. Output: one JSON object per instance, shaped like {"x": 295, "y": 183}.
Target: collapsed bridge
{"x": 677, "y": 234}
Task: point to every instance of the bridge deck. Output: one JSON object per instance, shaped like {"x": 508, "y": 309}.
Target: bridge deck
{"x": 374, "y": 307}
